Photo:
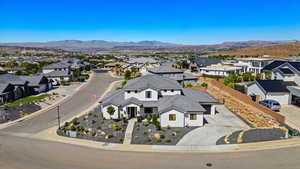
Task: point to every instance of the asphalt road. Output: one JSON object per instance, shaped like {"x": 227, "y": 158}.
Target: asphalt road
{"x": 25, "y": 153}
{"x": 79, "y": 102}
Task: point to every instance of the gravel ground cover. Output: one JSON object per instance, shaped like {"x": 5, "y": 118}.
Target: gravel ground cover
{"x": 92, "y": 126}
{"x": 13, "y": 113}
{"x": 148, "y": 133}
{"x": 255, "y": 135}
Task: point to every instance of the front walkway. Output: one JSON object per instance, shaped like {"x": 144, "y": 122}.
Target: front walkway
{"x": 223, "y": 123}
{"x": 129, "y": 131}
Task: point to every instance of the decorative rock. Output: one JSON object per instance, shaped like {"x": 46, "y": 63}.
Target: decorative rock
{"x": 174, "y": 133}
{"x": 157, "y": 135}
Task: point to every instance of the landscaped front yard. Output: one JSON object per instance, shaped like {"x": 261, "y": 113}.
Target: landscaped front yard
{"x": 93, "y": 126}
{"x": 149, "y": 131}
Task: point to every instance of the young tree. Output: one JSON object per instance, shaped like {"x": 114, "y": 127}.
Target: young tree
{"x": 127, "y": 75}
{"x": 111, "y": 110}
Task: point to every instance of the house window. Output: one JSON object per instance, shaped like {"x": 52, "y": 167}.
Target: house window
{"x": 172, "y": 117}
{"x": 172, "y": 90}
{"x": 165, "y": 90}
{"x": 135, "y": 91}
{"x": 193, "y": 116}
{"x": 128, "y": 91}
{"x": 148, "y": 94}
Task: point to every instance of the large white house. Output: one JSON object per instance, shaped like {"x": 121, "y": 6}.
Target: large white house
{"x": 153, "y": 94}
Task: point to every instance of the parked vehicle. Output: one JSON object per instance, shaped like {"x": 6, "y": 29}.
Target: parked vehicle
{"x": 272, "y": 104}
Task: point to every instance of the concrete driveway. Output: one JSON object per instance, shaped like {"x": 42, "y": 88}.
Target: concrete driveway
{"x": 225, "y": 122}
{"x": 292, "y": 114}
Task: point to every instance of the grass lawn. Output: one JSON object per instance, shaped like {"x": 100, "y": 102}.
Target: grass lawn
{"x": 26, "y": 100}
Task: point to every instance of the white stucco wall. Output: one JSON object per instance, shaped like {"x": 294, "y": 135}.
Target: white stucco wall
{"x": 170, "y": 93}
{"x": 197, "y": 122}
{"x": 179, "y": 122}
{"x": 281, "y": 98}
{"x": 48, "y": 70}
{"x": 142, "y": 95}
{"x": 255, "y": 90}
{"x": 106, "y": 115}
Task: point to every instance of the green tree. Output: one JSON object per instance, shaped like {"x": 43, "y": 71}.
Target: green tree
{"x": 111, "y": 110}
{"x": 127, "y": 75}
{"x": 247, "y": 76}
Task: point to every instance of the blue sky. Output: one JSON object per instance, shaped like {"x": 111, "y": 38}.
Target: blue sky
{"x": 177, "y": 21}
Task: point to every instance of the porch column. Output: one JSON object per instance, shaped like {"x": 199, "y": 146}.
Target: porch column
{"x": 213, "y": 110}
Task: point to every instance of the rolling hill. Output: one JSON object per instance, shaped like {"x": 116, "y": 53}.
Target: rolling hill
{"x": 277, "y": 50}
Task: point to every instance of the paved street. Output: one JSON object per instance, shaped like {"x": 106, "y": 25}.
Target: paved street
{"x": 79, "y": 102}
{"x": 25, "y": 153}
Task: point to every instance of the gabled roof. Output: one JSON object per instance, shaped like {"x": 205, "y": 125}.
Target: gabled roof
{"x": 164, "y": 69}
{"x": 33, "y": 80}
{"x": 13, "y": 79}
{"x": 295, "y": 65}
{"x": 57, "y": 74}
{"x": 59, "y": 65}
{"x": 180, "y": 103}
{"x": 3, "y": 87}
{"x": 199, "y": 96}
{"x": 275, "y": 86}
{"x": 203, "y": 62}
{"x": 274, "y": 64}
{"x": 153, "y": 82}
{"x": 286, "y": 71}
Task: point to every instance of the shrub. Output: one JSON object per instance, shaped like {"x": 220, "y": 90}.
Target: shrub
{"x": 109, "y": 136}
{"x": 294, "y": 132}
{"x": 139, "y": 119}
{"x": 204, "y": 84}
{"x": 158, "y": 140}
{"x": 148, "y": 139}
{"x": 146, "y": 132}
{"x": 101, "y": 116}
{"x": 162, "y": 136}
{"x": 136, "y": 137}
{"x": 80, "y": 128}
{"x": 125, "y": 120}
{"x": 121, "y": 140}
{"x": 90, "y": 114}
{"x": 116, "y": 127}
{"x": 149, "y": 118}
{"x": 73, "y": 128}
{"x": 94, "y": 133}
{"x": 67, "y": 124}
{"x": 168, "y": 127}
{"x": 168, "y": 140}
{"x": 93, "y": 121}
{"x": 189, "y": 84}
{"x": 75, "y": 121}
{"x": 146, "y": 124}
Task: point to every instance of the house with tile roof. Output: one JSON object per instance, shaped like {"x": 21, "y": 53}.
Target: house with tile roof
{"x": 152, "y": 94}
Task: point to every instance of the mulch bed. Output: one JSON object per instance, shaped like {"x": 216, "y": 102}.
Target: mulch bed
{"x": 13, "y": 113}
{"x": 95, "y": 128}
{"x": 147, "y": 134}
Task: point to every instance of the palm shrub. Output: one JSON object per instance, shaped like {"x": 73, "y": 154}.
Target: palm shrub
{"x": 111, "y": 110}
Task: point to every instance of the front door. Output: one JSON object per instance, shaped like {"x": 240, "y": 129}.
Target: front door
{"x": 132, "y": 111}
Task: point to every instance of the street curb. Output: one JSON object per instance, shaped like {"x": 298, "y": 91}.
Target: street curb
{"x": 53, "y": 105}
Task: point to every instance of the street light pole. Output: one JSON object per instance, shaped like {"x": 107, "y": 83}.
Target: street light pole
{"x": 58, "y": 116}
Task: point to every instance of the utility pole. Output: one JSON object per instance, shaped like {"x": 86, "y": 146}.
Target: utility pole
{"x": 58, "y": 116}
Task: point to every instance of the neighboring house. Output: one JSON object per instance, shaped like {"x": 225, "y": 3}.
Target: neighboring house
{"x": 220, "y": 70}
{"x": 197, "y": 63}
{"x": 57, "y": 72}
{"x": 176, "y": 74}
{"x": 14, "y": 87}
{"x": 255, "y": 65}
{"x": 13, "y": 70}
{"x": 153, "y": 94}
{"x": 6, "y": 93}
{"x": 271, "y": 89}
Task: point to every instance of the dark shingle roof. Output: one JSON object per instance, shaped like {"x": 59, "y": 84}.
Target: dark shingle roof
{"x": 3, "y": 86}
{"x": 153, "y": 82}
{"x": 286, "y": 71}
{"x": 275, "y": 85}
{"x": 199, "y": 96}
{"x": 274, "y": 64}
{"x": 296, "y": 65}
{"x": 203, "y": 62}
{"x": 57, "y": 74}
{"x": 13, "y": 79}
{"x": 164, "y": 69}
{"x": 180, "y": 103}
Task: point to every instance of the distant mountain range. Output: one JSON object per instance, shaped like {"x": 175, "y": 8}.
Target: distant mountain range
{"x": 101, "y": 45}
{"x": 76, "y": 45}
